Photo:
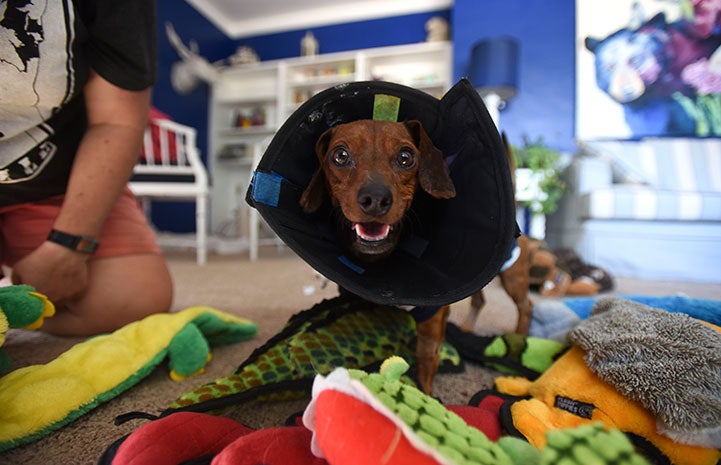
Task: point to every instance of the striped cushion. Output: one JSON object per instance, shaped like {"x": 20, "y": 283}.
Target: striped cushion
{"x": 675, "y": 164}
{"x": 614, "y": 153}
{"x": 634, "y": 202}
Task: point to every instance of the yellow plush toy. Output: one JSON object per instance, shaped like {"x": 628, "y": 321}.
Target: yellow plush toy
{"x": 39, "y": 399}
{"x": 569, "y": 395}
{"x": 21, "y": 307}
{"x": 630, "y": 368}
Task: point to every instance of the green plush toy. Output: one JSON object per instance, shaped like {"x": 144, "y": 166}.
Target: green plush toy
{"x": 21, "y": 307}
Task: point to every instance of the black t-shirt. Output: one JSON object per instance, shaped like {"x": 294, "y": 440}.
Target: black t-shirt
{"x": 46, "y": 48}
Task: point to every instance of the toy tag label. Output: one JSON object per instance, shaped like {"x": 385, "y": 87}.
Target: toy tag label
{"x": 575, "y": 407}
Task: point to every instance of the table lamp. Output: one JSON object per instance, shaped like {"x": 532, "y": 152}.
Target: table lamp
{"x": 493, "y": 71}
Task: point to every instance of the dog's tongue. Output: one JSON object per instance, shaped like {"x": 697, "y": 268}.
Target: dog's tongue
{"x": 372, "y": 231}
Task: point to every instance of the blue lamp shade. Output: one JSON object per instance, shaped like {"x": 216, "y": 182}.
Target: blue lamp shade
{"x": 494, "y": 67}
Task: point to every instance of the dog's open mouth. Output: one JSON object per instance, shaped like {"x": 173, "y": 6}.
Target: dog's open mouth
{"x": 373, "y": 241}
{"x": 372, "y": 232}
{"x": 370, "y": 241}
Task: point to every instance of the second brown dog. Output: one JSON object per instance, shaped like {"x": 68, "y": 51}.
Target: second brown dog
{"x": 370, "y": 170}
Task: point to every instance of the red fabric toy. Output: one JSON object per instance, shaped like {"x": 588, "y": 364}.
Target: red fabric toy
{"x": 178, "y": 438}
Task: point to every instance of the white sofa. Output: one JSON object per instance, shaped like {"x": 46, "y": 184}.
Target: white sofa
{"x": 646, "y": 209}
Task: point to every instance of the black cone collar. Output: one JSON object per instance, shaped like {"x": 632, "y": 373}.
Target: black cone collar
{"x": 453, "y": 247}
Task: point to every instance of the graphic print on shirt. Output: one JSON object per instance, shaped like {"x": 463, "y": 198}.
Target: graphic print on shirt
{"x": 35, "y": 39}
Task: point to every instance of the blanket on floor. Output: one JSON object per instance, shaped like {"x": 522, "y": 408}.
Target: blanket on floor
{"x": 553, "y": 319}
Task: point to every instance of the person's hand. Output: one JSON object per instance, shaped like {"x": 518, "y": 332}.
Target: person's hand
{"x": 59, "y": 273}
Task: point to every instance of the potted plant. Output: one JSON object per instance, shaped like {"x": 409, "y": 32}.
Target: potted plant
{"x": 538, "y": 185}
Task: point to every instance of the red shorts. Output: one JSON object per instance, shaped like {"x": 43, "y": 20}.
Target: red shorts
{"x": 23, "y": 227}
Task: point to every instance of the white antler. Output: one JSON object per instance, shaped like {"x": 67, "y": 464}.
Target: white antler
{"x": 185, "y": 74}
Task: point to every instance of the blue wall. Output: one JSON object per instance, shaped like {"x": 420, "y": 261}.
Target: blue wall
{"x": 545, "y": 30}
{"x": 544, "y": 105}
{"x": 349, "y": 36}
{"x": 190, "y": 109}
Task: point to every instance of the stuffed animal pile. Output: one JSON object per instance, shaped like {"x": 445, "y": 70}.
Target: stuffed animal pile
{"x": 560, "y": 272}
{"x": 356, "y": 418}
{"x": 629, "y": 384}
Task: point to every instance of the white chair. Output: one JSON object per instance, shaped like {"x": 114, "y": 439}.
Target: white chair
{"x": 171, "y": 169}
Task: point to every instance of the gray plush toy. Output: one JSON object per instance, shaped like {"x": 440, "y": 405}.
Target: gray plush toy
{"x": 669, "y": 362}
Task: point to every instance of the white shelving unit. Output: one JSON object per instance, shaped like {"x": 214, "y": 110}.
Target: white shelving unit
{"x": 250, "y": 102}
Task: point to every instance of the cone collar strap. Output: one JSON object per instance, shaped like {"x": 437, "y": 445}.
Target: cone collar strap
{"x": 454, "y": 247}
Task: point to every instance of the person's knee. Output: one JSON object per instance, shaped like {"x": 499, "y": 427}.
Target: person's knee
{"x": 154, "y": 293}
{"x": 159, "y": 296}
{"x": 120, "y": 292}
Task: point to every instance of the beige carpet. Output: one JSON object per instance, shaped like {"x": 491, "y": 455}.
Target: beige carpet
{"x": 268, "y": 292}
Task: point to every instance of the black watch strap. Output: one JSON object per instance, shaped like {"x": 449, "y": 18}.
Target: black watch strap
{"x": 83, "y": 244}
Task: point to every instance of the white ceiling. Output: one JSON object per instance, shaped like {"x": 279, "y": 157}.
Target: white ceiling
{"x": 245, "y": 18}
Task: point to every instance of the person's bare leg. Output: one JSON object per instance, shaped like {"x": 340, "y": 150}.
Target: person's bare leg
{"x": 120, "y": 290}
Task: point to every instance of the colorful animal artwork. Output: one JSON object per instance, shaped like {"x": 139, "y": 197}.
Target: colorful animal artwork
{"x": 665, "y": 75}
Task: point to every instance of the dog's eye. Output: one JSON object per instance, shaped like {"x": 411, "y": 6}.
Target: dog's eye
{"x": 340, "y": 156}
{"x": 406, "y": 159}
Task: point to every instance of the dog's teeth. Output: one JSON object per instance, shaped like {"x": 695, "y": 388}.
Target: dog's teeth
{"x": 372, "y": 231}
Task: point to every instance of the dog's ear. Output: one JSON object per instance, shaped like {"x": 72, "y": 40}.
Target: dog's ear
{"x": 432, "y": 170}
{"x": 314, "y": 195}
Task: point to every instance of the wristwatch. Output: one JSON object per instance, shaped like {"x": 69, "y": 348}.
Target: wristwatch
{"x": 82, "y": 244}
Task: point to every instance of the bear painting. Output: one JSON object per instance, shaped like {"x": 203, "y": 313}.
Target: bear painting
{"x": 665, "y": 75}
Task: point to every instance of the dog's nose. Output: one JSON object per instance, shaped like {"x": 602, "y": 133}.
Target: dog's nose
{"x": 375, "y": 199}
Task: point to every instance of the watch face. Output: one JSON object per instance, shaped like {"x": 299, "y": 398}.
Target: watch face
{"x": 86, "y": 245}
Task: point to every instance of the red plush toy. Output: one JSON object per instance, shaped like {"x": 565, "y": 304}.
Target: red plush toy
{"x": 351, "y": 420}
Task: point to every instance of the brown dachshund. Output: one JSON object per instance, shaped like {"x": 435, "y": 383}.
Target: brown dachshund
{"x": 371, "y": 170}
{"x": 515, "y": 275}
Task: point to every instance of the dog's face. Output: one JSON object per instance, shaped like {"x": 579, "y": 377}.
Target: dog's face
{"x": 370, "y": 170}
